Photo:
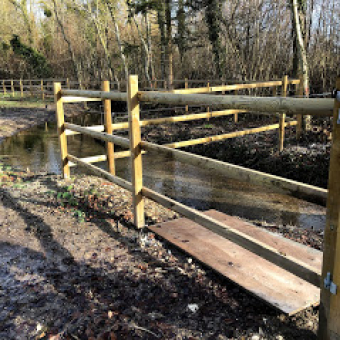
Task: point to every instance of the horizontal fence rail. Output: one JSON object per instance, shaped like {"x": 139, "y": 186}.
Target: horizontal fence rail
{"x": 124, "y": 142}
{"x": 322, "y": 107}
{"x": 117, "y": 96}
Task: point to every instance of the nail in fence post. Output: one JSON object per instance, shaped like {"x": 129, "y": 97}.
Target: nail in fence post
{"x": 61, "y": 129}
{"x": 329, "y": 311}
{"x": 282, "y": 122}
{"x": 299, "y": 117}
{"x": 136, "y": 152}
{"x": 108, "y": 128}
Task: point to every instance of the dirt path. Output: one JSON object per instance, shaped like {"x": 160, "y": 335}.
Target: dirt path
{"x": 73, "y": 267}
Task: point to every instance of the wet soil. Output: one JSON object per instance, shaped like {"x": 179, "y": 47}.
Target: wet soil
{"x": 73, "y": 267}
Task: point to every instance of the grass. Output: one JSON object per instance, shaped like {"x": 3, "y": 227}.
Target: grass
{"x": 7, "y": 101}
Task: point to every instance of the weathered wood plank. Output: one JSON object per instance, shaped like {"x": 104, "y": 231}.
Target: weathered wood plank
{"x": 287, "y": 262}
{"x": 280, "y": 289}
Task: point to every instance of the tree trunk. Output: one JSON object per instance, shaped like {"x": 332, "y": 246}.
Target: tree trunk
{"x": 161, "y": 25}
{"x": 169, "y": 44}
{"x": 76, "y": 65}
{"x": 119, "y": 41}
{"x": 302, "y": 56}
{"x": 213, "y": 19}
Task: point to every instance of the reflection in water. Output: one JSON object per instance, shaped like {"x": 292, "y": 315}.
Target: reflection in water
{"x": 38, "y": 150}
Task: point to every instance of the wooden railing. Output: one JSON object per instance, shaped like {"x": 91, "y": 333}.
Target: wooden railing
{"x": 29, "y": 87}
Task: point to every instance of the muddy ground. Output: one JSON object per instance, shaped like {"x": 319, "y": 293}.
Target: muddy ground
{"x": 13, "y": 120}
{"x": 73, "y": 266}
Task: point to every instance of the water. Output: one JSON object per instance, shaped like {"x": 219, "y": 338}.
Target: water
{"x": 38, "y": 150}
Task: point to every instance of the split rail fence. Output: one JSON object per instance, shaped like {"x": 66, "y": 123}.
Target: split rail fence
{"x": 231, "y": 104}
{"x": 29, "y": 87}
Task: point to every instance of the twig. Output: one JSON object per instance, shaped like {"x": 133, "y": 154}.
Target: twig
{"x": 143, "y": 329}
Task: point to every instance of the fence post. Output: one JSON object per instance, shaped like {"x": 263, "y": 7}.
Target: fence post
{"x": 282, "y": 120}
{"x": 236, "y": 114}
{"x": 31, "y": 88}
{"x": 223, "y": 84}
{"x": 108, "y": 129}
{"x": 4, "y": 87}
{"x": 329, "y": 315}
{"x": 12, "y": 88}
{"x": 186, "y": 86}
{"x": 68, "y": 83}
{"x": 136, "y": 152}
{"x": 274, "y": 94}
{"x": 42, "y": 89}
{"x": 21, "y": 89}
{"x": 208, "y": 108}
{"x": 61, "y": 129}
{"x": 299, "y": 117}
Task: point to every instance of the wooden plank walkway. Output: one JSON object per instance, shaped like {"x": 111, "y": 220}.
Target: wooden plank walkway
{"x": 279, "y": 288}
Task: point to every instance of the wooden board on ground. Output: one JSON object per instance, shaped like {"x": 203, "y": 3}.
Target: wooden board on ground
{"x": 277, "y": 287}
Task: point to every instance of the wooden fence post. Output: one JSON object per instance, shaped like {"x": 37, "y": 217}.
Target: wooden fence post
{"x": 31, "y": 88}
{"x": 4, "y": 87}
{"x": 108, "y": 129}
{"x": 299, "y": 118}
{"x": 236, "y": 114}
{"x": 329, "y": 325}
{"x": 186, "y": 86}
{"x": 42, "y": 89}
{"x": 12, "y": 88}
{"x": 68, "y": 83}
{"x": 208, "y": 108}
{"x": 282, "y": 120}
{"x": 274, "y": 94}
{"x": 61, "y": 129}
{"x": 136, "y": 152}
{"x": 21, "y": 89}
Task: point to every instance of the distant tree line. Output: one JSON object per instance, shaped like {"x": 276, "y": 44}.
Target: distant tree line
{"x": 171, "y": 39}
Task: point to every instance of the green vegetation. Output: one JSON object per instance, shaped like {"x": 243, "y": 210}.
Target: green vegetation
{"x": 7, "y": 101}
{"x": 66, "y": 198}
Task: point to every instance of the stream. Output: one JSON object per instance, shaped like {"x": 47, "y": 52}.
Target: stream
{"x": 38, "y": 150}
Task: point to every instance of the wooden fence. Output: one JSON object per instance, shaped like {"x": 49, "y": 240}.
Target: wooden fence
{"x": 303, "y": 106}
{"x": 21, "y": 88}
